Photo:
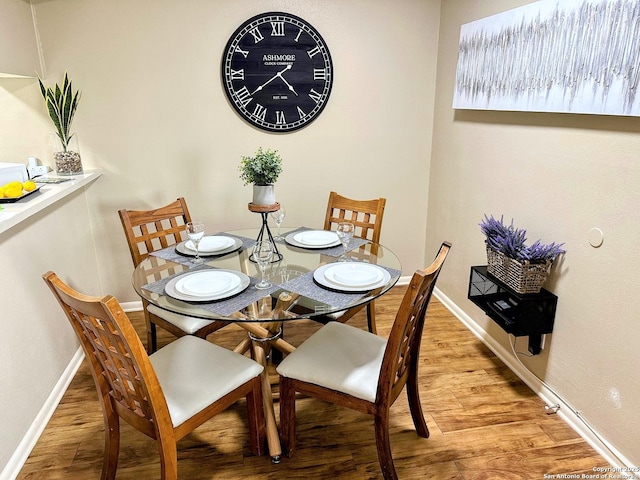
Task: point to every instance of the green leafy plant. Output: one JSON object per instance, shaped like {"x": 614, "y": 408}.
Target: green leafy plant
{"x": 61, "y": 105}
{"x": 261, "y": 169}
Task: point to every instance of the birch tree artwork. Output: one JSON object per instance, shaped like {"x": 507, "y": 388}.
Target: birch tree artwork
{"x": 570, "y": 56}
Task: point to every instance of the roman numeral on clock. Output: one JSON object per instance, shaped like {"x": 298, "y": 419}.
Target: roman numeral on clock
{"x": 277, "y": 29}
{"x": 260, "y": 112}
{"x": 315, "y": 96}
{"x": 257, "y": 36}
{"x": 239, "y": 74}
{"x": 244, "y": 97}
{"x": 320, "y": 73}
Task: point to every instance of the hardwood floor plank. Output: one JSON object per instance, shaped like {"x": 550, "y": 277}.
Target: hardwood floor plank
{"x": 577, "y": 459}
{"x": 484, "y": 423}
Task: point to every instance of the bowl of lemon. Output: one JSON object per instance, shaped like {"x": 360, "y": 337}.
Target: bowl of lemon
{"x": 14, "y": 191}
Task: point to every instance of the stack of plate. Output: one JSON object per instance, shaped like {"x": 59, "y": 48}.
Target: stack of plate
{"x": 207, "y": 285}
{"x": 210, "y": 245}
{"x": 313, "y": 239}
{"x": 351, "y": 276}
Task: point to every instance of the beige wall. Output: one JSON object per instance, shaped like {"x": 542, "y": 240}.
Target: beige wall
{"x": 558, "y": 176}
{"x": 154, "y": 117}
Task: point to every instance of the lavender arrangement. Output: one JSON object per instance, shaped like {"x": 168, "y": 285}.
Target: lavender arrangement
{"x": 511, "y": 241}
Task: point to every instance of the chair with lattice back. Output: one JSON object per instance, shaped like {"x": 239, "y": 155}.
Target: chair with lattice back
{"x": 147, "y": 231}
{"x": 353, "y": 368}
{"x": 366, "y": 216}
{"x": 165, "y": 395}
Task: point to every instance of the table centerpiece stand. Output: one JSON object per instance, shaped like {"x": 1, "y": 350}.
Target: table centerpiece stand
{"x": 264, "y": 211}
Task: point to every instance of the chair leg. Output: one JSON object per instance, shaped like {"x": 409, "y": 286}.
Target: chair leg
{"x": 415, "y": 407}
{"x": 383, "y": 445}
{"x": 255, "y": 414}
{"x": 111, "y": 445}
{"x": 371, "y": 318}
{"x": 152, "y": 338}
{"x": 287, "y": 416}
{"x": 168, "y": 459}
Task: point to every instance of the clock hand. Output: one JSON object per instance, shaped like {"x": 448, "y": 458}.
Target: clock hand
{"x": 279, "y": 74}
{"x": 266, "y": 83}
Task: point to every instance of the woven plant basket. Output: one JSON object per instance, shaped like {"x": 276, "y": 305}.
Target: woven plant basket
{"x": 521, "y": 277}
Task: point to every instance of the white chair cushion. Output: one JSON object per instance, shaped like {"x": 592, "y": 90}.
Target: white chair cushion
{"x": 339, "y": 357}
{"x": 187, "y": 324}
{"x": 193, "y": 373}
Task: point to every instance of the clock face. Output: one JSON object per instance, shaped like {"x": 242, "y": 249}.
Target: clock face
{"x": 277, "y": 72}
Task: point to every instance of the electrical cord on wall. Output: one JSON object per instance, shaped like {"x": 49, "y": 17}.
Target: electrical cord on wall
{"x": 551, "y": 409}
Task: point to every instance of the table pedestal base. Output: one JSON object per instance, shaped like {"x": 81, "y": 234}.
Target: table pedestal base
{"x": 261, "y": 337}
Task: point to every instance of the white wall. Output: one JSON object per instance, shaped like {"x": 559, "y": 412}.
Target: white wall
{"x": 154, "y": 117}
{"x": 558, "y": 176}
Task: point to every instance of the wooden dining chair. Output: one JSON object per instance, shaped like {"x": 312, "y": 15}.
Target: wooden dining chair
{"x": 165, "y": 395}
{"x": 348, "y": 366}
{"x": 148, "y": 231}
{"x": 366, "y": 215}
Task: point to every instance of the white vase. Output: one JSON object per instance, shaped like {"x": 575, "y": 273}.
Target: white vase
{"x": 264, "y": 194}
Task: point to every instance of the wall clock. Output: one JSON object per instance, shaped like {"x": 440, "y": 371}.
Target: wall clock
{"x": 277, "y": 72}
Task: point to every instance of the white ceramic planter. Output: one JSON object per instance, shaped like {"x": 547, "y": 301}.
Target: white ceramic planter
{"x": 264, "y": 194}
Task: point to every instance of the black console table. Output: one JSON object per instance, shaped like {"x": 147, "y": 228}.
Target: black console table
{"x": 519, "y": 314}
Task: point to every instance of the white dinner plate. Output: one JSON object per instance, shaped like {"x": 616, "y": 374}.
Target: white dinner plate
{"x": 354, "y": 274}
{"x": 313, "y": 239}
{"x": 320, "y": 277}
{"x": 199, "y": 285}
{"x": 182, "y": 248}
{"x": 210, "y": 244}
{"x": 207, "y": 283}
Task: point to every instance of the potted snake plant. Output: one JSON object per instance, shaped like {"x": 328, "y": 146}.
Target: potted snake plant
{"x": 62, "y": 103}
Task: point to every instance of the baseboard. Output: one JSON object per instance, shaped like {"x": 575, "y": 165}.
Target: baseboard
{"x": 22, "y": 452}
{"x": 131, "y": 306}
{"x": 623, "y": 466}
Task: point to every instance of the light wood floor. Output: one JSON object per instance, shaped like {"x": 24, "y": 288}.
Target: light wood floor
{"x": 484, "y": 422}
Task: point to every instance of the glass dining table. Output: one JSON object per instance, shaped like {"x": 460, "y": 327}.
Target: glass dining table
{"x": 312, "y": 278}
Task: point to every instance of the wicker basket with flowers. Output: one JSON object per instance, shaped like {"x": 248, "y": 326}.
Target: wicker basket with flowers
{"x": 523, "y": 268}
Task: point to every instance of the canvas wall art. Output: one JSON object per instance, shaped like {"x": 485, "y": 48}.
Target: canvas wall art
{"x": 572, "y": 56}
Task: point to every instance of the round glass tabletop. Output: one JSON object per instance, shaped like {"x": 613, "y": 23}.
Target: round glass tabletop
{"x": 313, "y": 278}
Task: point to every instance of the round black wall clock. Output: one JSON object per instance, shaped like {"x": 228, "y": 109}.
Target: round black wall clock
{"x": 277, "y": 72}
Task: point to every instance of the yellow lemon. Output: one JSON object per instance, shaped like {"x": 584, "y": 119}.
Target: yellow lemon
{"x": 13, "y": 192}
{"x": 29, "y": 186}
{"x": 14, "y": 184}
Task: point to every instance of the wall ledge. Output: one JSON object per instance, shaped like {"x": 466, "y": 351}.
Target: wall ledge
{"x": 14, "y": 213}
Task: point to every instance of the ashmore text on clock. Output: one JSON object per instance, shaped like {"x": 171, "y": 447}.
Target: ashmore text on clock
{"x": 281, "y": 59}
